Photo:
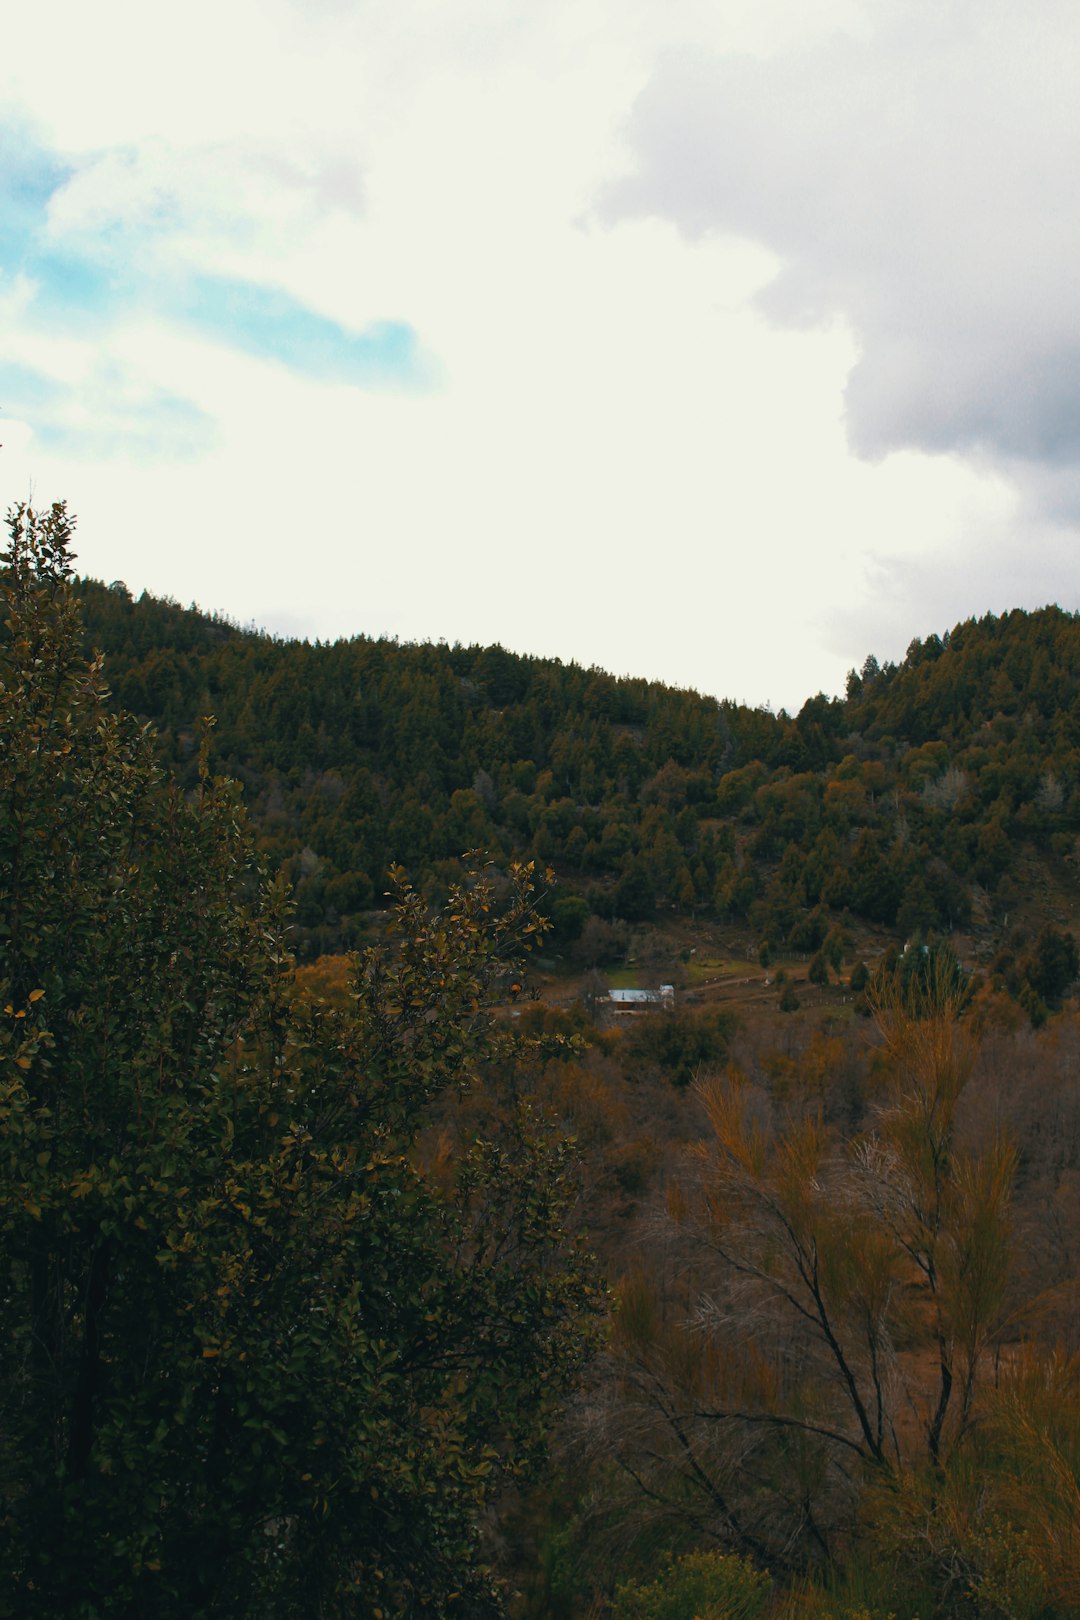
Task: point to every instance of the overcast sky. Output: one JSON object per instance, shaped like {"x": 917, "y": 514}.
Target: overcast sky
{"x": 719, "y": 341}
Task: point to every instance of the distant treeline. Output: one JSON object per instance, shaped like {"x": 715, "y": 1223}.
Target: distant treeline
{"x": 906, "y": 803}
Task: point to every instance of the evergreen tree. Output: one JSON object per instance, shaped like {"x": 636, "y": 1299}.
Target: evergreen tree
{"x": 256, "y": 1361}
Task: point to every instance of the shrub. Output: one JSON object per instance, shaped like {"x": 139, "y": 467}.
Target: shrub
{"x": 698, "y": 1586}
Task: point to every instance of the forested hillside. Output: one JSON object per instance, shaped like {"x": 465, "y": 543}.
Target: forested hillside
{"x": 912, "y": 804}
{"x": 302, "y": 1284}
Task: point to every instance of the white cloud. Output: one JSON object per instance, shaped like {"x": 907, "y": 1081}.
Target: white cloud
{"x": 627, "y": 461}
{"x": 919, "y": 181}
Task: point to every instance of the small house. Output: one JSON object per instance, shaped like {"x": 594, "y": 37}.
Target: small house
{"x": 638, "y": 1001}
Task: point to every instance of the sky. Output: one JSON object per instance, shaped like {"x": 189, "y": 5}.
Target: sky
{"x": 722, "y": 342}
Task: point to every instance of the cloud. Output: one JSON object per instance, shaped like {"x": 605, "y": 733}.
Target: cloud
{"x": 908, "y": 592}
{"x": 29, "y": 176}
{"x": 916, "y": 176}
{"x": 250, "y": 194}
{"x": 67, "y": 284}
{"x": 95, "y": 246}
{"x": 106, "y": 413}
{"x": 279, "y": 213}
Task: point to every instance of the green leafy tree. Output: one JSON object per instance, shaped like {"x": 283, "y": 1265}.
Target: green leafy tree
{"x": 681, "y": 1044}
{"x": 634, "y": 896}
{"x": 1053, "y": 965}
{"x": 257, "y": 1359}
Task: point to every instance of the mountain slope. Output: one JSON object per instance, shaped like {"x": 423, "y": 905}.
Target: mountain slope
{"x": 914, "y": 803}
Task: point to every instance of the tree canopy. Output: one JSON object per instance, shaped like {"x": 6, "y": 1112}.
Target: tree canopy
{"x": 915, "y": 805}
{"x": 267, "y": 1351}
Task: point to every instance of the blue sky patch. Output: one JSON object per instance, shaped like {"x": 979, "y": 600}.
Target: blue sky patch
{"x": 275, "y": 326}
{"x": 72, "y": 289}
{"x": 93, "y": 280}
{"x": 23, "y": 391}
{"x": 73, "y": 282}
{"x": 29, "y": 176}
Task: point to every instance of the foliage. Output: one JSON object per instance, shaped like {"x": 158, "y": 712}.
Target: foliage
{"x": 999, "y": 1534}
{"x": 860, "y": 977}
{"x": 942, "y": 790}
{"x": 1053, "y": 966}
{"x": 913, "y": 804}
{"x": 682, "y": 1043}
{"x": 697, "y": 1586}
{"x": 921, "y": 979}
{"x": 850, "y": 1290}
{"x": 256, "y": 1360}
